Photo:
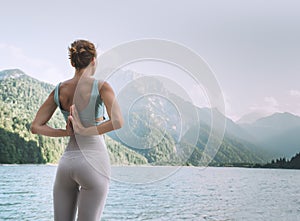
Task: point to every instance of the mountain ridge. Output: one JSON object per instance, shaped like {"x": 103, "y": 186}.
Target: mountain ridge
{"x": 277, "y": 132}
{"x": 237, "y": 146}
{"x": 11, "y": 73}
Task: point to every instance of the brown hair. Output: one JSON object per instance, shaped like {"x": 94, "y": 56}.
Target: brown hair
{"x": 81, "y": 53}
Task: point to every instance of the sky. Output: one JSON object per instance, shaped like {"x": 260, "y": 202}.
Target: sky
{"x": 253, "y": 47}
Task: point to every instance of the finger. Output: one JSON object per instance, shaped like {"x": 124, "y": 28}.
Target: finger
{"x": 69, "y": 123}
{"x": 75, "y": 113}
{"x": 73, "y": 125}
{"x": 71, "y": 109}
{"x": 70, "y": 119}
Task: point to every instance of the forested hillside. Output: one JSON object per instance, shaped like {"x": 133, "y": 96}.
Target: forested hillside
{"x": 20, "y": 98}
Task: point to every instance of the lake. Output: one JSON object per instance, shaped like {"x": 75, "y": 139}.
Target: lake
{"x": 163, "y": 193}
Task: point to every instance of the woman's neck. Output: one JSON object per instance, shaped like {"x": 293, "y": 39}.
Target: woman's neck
{"x": 84, "y": 72}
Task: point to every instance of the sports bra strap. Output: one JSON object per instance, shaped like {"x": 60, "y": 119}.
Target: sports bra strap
{"x": 95, "y": 88}
{"x": 56, "y": 95}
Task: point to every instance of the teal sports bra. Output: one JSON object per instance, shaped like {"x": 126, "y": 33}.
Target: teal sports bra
{"x": 94, "y": 109}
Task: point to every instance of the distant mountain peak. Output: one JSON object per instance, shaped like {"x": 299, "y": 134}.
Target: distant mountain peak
{"x": 11, "y": 73}
{"x": 251, "y": 117}
{"x": 284, "y": 114}
{"x": 279, "y": 116}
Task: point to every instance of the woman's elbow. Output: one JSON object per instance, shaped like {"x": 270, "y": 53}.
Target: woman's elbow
{"x": 118, "y": 123}
{"x": 33, "y": 129}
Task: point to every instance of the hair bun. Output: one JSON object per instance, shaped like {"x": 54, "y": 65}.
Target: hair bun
{"x": 81, "y": 53}
{"x": 81, "y": 50}
{"x": 73, "y": 50}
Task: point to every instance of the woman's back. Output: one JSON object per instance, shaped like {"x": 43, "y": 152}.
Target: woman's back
{"x": 85, "y": 95}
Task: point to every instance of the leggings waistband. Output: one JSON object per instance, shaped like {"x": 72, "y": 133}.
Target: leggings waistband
{"x": 83, "y": 153}
{"x": 86, "y": 143}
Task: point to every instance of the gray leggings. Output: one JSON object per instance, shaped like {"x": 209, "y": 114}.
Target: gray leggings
{"x": 82, "y": 181}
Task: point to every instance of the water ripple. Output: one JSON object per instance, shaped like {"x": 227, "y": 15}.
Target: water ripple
{"x": 190, "y": 194}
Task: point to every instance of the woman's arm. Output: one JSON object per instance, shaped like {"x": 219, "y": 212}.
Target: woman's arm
{"x": 113, "y": 110}
{"x": 39, "y": 124}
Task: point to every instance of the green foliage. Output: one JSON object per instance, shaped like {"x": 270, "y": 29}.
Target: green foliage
{"x": 293, "y": 163}
{"x": 231, "y": 151}
{"x": 120, "y": 155}
{"x": 157, "y": 146}
{"x": 20, "y": 98}
{"x": 14, "y": 149}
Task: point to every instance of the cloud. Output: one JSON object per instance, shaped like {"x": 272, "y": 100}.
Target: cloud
{"x": 14, "y": 57}
{"x": 271, "y": 102}
{"x": 269, "y": 106}
{"x": 286, "y": 104}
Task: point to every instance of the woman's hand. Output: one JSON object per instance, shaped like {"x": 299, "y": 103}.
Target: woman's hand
{"x": 115, "y": 119}
{"x": 74, "y": 119}
{"x": 69, "y": 128}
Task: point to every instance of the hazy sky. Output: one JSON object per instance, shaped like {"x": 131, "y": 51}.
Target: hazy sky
{"x": 252, "y": 46}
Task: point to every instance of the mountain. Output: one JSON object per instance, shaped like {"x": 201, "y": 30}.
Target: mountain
{"x": 153, "y": 110}
{"x": 160, "y": 126}
{"x": 251, "y": 117}
{"x": 13, "y": 73}
{"x": 161, "y": 123}
{"x": 277, "y": 134}
{"x": 20, "y": 98}
{"x": 279, "y": 121}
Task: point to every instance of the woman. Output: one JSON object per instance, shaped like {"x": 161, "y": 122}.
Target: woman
{"x": 82, "y": 176}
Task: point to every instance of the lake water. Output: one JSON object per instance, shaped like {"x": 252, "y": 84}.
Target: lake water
{"x": 138, "y": 193}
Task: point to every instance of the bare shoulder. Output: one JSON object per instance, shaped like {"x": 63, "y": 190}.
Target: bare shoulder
{"x": 67, "y": 87}
{"x": 66, "y": 83}
{"x": 104, "y": 86}
{"x": 52, "y": 93}
{"x": 105, "y": 90}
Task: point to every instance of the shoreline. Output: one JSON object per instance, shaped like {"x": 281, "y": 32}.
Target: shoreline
{"x": 249, "y": 166}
